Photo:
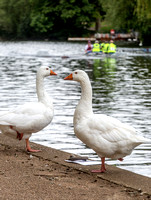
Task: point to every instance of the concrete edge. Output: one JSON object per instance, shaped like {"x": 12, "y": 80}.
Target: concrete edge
{"x": 114, "y": 175}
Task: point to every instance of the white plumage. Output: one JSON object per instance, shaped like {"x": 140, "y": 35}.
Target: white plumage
{"x": 30, "y": 117}
{"x": 107, "y": 136}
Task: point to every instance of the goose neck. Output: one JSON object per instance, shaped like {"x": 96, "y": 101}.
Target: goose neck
{"x": 86, "y": 95}
{"x": 40, "y": 88}
{"x": 86, "y": 91}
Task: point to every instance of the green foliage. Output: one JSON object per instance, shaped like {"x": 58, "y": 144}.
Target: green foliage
{"x": 106, "y": 27}
{"x": 47, "y": 18}
{"x": 143, "y": 12}
{"x": 65, "y": 18}
{"x": 130, "y": 14}
{"x": 14, "y": 17}
{"x": 121, "y": 14}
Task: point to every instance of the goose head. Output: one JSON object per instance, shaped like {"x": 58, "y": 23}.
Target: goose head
{"x": 45, "y": 71}
{"x": 77, "y": 75}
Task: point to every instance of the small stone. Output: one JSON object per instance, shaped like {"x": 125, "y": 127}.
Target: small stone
{"x": 31, "y": 156}
{"x": 55, "y": 156}
{"x": 139, "y": 190}
{"x": 1, "y": 173}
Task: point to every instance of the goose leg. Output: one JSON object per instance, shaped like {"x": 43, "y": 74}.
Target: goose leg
{"x": 28, "y": 148}
{"x": 102, "y": 170}
{"x": 19, "y": 135}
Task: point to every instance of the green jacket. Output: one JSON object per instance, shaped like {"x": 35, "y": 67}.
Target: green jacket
{"x": 105, "y": 48}
{"x": 102, "y": 46}
{"x": 96, "y": 47}
{"x": 112, "y": 48}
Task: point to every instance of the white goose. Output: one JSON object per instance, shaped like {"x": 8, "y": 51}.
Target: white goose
{"x": 107, "y": 136}
{"x": 30, "y": 117}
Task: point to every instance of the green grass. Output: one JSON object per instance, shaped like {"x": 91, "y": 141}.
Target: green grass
{"x": 105, "y": 27}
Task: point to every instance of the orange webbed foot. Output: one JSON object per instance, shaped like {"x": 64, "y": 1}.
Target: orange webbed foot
{"x": 98, "y": 170}
{"x": 29, "y": 149}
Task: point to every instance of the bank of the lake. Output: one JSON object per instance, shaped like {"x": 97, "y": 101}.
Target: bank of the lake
{"x": 46, "y": 175}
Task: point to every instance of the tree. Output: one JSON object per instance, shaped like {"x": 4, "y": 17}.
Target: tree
{"x": 61, "y": 17}
{"x": 143, "y": 12}
{"x": 120, "y": 13}
{"x": 98, "y": 13}
{"x": 130, "y": 14}
{"x": 14, "y": 17}
{"x": 48, "y": 18}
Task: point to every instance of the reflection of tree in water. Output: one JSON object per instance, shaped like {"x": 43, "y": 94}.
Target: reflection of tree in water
{"x": 104, "y": 81}
{"x": 139, "y": 72}
{"x": 104, "y": 69}
{"x": 141, "y": 67}
{"x": 110, "y": 64}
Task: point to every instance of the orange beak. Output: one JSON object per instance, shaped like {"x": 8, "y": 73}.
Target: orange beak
{"x": 52, "y": 73}
{"x": 70, "y": 77}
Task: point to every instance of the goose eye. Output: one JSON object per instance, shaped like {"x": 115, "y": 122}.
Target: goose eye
{"x": 47, "y": 68}
{"x": 76, "y": 72}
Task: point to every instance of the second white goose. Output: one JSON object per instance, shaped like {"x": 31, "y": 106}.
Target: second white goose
{"x": 107, "y": 136}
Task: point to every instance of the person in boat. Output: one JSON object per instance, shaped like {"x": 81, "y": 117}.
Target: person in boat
{"x": 96, "y": 47}
{"x": 105, "y": 47}
{"x": 102, "y": 45}
{"x": 88, "y": 47}
{"x": 111, "y": 47}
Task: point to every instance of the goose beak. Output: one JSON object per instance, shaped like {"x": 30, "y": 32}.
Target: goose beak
{"x": 52, "y": 73}
{"x": 70, "y": 77}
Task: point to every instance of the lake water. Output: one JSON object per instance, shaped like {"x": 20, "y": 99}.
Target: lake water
{"x": 121, "y": 88}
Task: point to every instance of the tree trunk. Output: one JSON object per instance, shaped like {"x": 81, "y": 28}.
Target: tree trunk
{"x": 97, "y": 25}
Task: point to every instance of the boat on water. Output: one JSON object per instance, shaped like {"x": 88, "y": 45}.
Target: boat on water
{"x": 93, "y": 53}
{"x": 90, "y": 53}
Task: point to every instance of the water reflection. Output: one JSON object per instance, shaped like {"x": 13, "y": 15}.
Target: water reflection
{"x": 121, "y": 88}
{"x": 104, "y": 68}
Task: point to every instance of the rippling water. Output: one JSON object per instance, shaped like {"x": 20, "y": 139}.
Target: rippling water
{"x": 121, "y": 88}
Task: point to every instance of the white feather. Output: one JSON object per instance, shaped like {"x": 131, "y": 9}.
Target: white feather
{"x": 107, "y": 136}
{"x": 30, "y": 117}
